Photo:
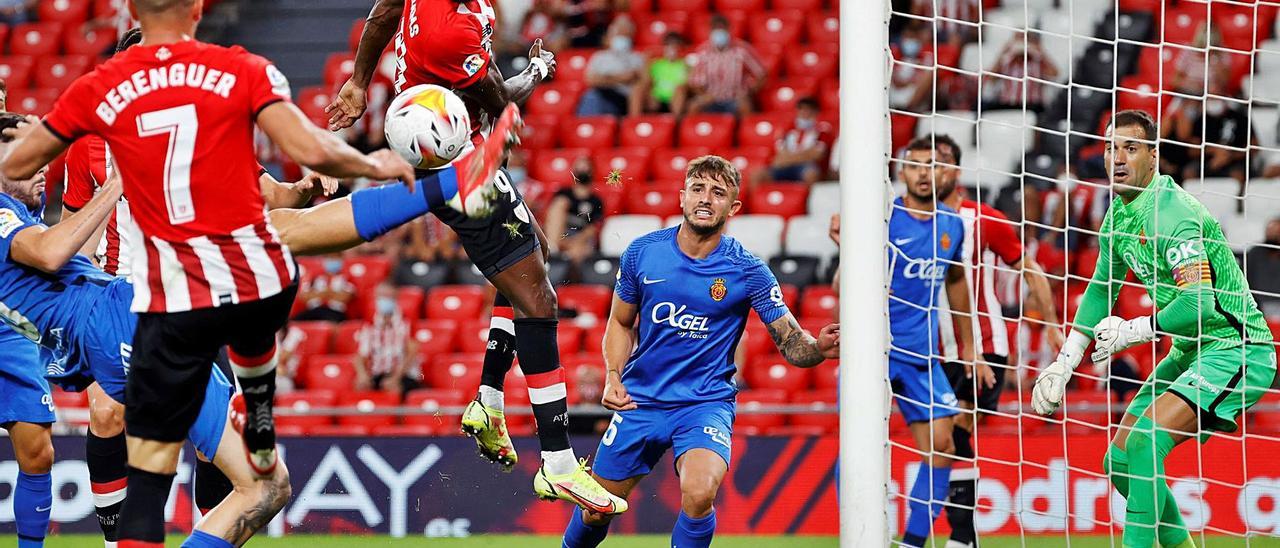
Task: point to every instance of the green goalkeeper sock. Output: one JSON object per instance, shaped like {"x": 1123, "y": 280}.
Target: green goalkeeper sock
{"x": 1171, "y": 531}
{"x": 1146, "y": 449}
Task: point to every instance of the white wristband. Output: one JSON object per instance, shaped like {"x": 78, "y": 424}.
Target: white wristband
{"x": 540, "y": 67}
{"x": 1073, "y": 349}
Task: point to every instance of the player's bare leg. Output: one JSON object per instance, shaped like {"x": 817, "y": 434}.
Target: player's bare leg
{"x": 1135, "y": 464}
{"x": 701, "y": 472}
{"x": 253, "y": 500}
{"x": 106, "y": 458}
{"x": 587, "y": 529}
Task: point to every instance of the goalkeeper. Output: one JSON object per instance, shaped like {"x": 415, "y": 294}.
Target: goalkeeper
{"x": 1222, "y": 360}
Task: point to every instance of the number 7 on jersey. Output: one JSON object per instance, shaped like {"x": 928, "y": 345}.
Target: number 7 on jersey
{"x": 180, "y": 125}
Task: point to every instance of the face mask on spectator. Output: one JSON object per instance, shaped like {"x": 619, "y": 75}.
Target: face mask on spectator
{"x": 805, "y": 123}
{"x": 516, "y": 174}
{"x": 910, "y": 47}
{"x": 1215, "y": 107}
{"x": 620, "y": 44}
{"x": 582, "y": 176}
{"x": 333, "y": 266}
{"x": 719, "y": 38}
{"x": 386, "y": 306}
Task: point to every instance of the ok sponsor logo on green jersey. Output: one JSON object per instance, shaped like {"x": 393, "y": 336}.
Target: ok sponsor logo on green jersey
{"x": 1183, "y": 251}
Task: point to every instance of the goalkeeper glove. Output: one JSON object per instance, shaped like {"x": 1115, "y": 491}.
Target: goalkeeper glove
{"x": 1114, "y": 334}
{"x": 1051, "y": 384}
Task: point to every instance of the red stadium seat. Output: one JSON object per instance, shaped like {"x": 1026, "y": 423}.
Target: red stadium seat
{"x": 353, "y": 37}
{"x": 473, "y": 336}
{"x": 339, "y": 431}
{"x": 33, "y": 101}
{"x": 70, "y": 400}
{"x": 539, "y": 132}
{"x": 815, "y": 61}
{"x": 569, "y": 337}
{"x": 431, "y": 400}
{"x": 776, "y": 27}
{"x": 317, "y": 337}
{"x": 823, "y": 29}
{"x": 707, "y": 130}
{"x": 790, "y": 296}
{"x": 653, "y": 199}
{"x": 772, "y": 371}
{"x": 826, "y": 375}
{"x": 369, "y": 408}
{"x": 749, "y": 160}
{"x": 1236, "y": 23}
{"x": 758, "y": 341}
{"x": 571, "y": 65}
{"x": 632, "y": 163}
{"x": 365, "y": 273}
{"x": 650, "y": 131}
{"x": 782, "y": 96}
{"x": 808, "y": 6}
{"x": 63, "y": 11}
{"x": 669, "y": 164}
{"x": 344, "y": 337}
{"x": 700, "y": 28}
{"x": 16, "y": 71}
{"x": 555, "y": 98}
{"x": 95, "y": 42}
{"x": 590, "y": 132}
{"x": 592, "y": 299}
{"x": 555, "y": 167}
{"x": 752, "y": 400}
{"x": 819, "y": 301}
{"x": 1182, "y": 21}
{"x": 312, "y": 101}
{"x": 337, "y": 68}
{"x": 748, "y": 6}
{"x": 816, "y": 400}
{"x": 335, "y": 372}
{"x": 770, "y": 56}
{"x": 455, "y": 302}
{"x": 651, "y": 28}
{"x": 35, "y": 39}
{"x": 436, "y": 336}
{"x": 785, "y": 199}
{"x": 691, "y": 6}
{"x": 592, "y": 339}
{"x": 456, "y": 372}
{"x": 410, "y": 299}
{"x": 763, "y": 130}
{"x": 305, "y": 400}
{"x": 59, "y": 72}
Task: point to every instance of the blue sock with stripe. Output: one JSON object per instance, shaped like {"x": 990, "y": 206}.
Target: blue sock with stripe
{"x": 201, "y": 539}
{"x": 580, "y": 535}
{"x": 927, "y": 495}
{"x": 32, "y": 501}
{"x": 693, "y": 532}
{"x": 378, "y": 210}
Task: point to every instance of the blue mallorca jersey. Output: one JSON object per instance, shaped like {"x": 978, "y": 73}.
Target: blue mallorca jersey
{"x": 691, "y": 314}
{"x": 36, "y": 304}
{"x": 920, "y": 251}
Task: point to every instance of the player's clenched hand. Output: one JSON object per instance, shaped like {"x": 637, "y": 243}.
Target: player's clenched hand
{"x": 389, "y": 166}
{"x": 829, "y": 341}
{"x": 615, "y": 396}
{"x": 347, "y": 107}
{"x": 1051, "y": 385}
{"x": 1114, "y": 334}
{"x": 536, "y": 52}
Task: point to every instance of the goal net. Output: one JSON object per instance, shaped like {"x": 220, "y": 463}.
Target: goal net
{"x": 1025, "y": 89}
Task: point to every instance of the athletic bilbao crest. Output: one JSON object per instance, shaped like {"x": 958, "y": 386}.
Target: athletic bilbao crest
{"x": 718, "y": 290}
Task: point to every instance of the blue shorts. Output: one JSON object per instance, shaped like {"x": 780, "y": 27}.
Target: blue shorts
{"x": 637, "y": 439}
{"x": 101, "y": 345}
{"x": 26, "y": 392}
{"x": 206, "y": 433}
{"x": 922, "y": 394}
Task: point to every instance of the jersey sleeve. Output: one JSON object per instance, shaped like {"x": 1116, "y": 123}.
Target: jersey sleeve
{"x": 626, "y": 287}
{"x": 1000, "y": 236}
{"x": 12, "y": 222}
{"x": 73, "y": 114}
{"x": 766, "y": 294}
{"x": 267, "y": 85}
{"x": 81, "y": 175}
{"x": 1182, "y": 254}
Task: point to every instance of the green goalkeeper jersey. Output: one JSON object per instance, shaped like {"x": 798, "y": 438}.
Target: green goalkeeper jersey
{"x": 1177, "y": 250}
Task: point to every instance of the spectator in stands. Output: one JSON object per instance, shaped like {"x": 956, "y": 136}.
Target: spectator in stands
{"x": 1221, "y": 133}
{"x": 327, "y": 294}
{"x": 387, "y": 357}
{"x": 570, "y": 23}
{"x": 613, "y": 73}
{"x": 288, "y": 340}
{"x": 801, "y": 154}
{"x": 1021, "y": 59}
{"x": 662, "y": 88}
{"x": 724, "y": 73}
{"x": 4, "y": 97}
{"x": 1261, "y": 265}
{"x": 574, "y": 216}
{"x": 1189, "y": 76}
{"x": 912, "y": 86}
{"x": 952, "y": 16}
{"x": 16, "y": 12}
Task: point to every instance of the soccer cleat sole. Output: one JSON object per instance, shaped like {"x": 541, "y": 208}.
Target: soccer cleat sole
{"x": 257, "y": 462}
{"x": 507, "y": 463}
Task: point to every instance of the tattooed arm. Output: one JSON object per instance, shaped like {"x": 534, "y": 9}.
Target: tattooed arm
{"x": 799, "y": 347}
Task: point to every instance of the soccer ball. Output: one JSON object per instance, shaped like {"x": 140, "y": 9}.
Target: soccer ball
{"x": 428, "y": 126}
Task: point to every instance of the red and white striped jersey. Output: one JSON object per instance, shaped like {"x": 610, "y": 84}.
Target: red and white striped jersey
{"x": 179, "y": 121}
{"x": 88, "y": 166}
{"x": 989, "y": 237}
{"x": 382, "y": 343}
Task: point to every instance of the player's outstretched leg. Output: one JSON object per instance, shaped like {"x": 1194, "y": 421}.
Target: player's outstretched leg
{"x": 33, "y": 491}
{"x": 483, "y": 419}
{"x": 107, "y": 460}
{"x": 342, "y": 224}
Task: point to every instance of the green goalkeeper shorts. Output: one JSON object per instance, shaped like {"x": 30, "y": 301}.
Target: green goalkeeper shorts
{"x": 1220, "y": 383}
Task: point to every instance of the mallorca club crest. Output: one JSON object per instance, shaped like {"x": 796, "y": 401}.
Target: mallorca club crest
{"x": 718, "y": 290}
{"x": 945, "y": 242}
{"x": 1142, "y": 236}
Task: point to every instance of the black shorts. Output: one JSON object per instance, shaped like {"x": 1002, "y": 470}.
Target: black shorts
{"x": 496, "y": 242}
{"x": 174, "y": 353}
{"x": 988, "y": 399}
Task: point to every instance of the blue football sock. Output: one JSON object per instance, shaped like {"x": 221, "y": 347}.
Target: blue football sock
{"x": 693, "y": 532}
{"x": 580, "y": 535}
{"x": 32, "y": 501}
{"x": 377, "y": 210}
{"x": 201, "y": 539}
{"x": 927, "y": 495}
